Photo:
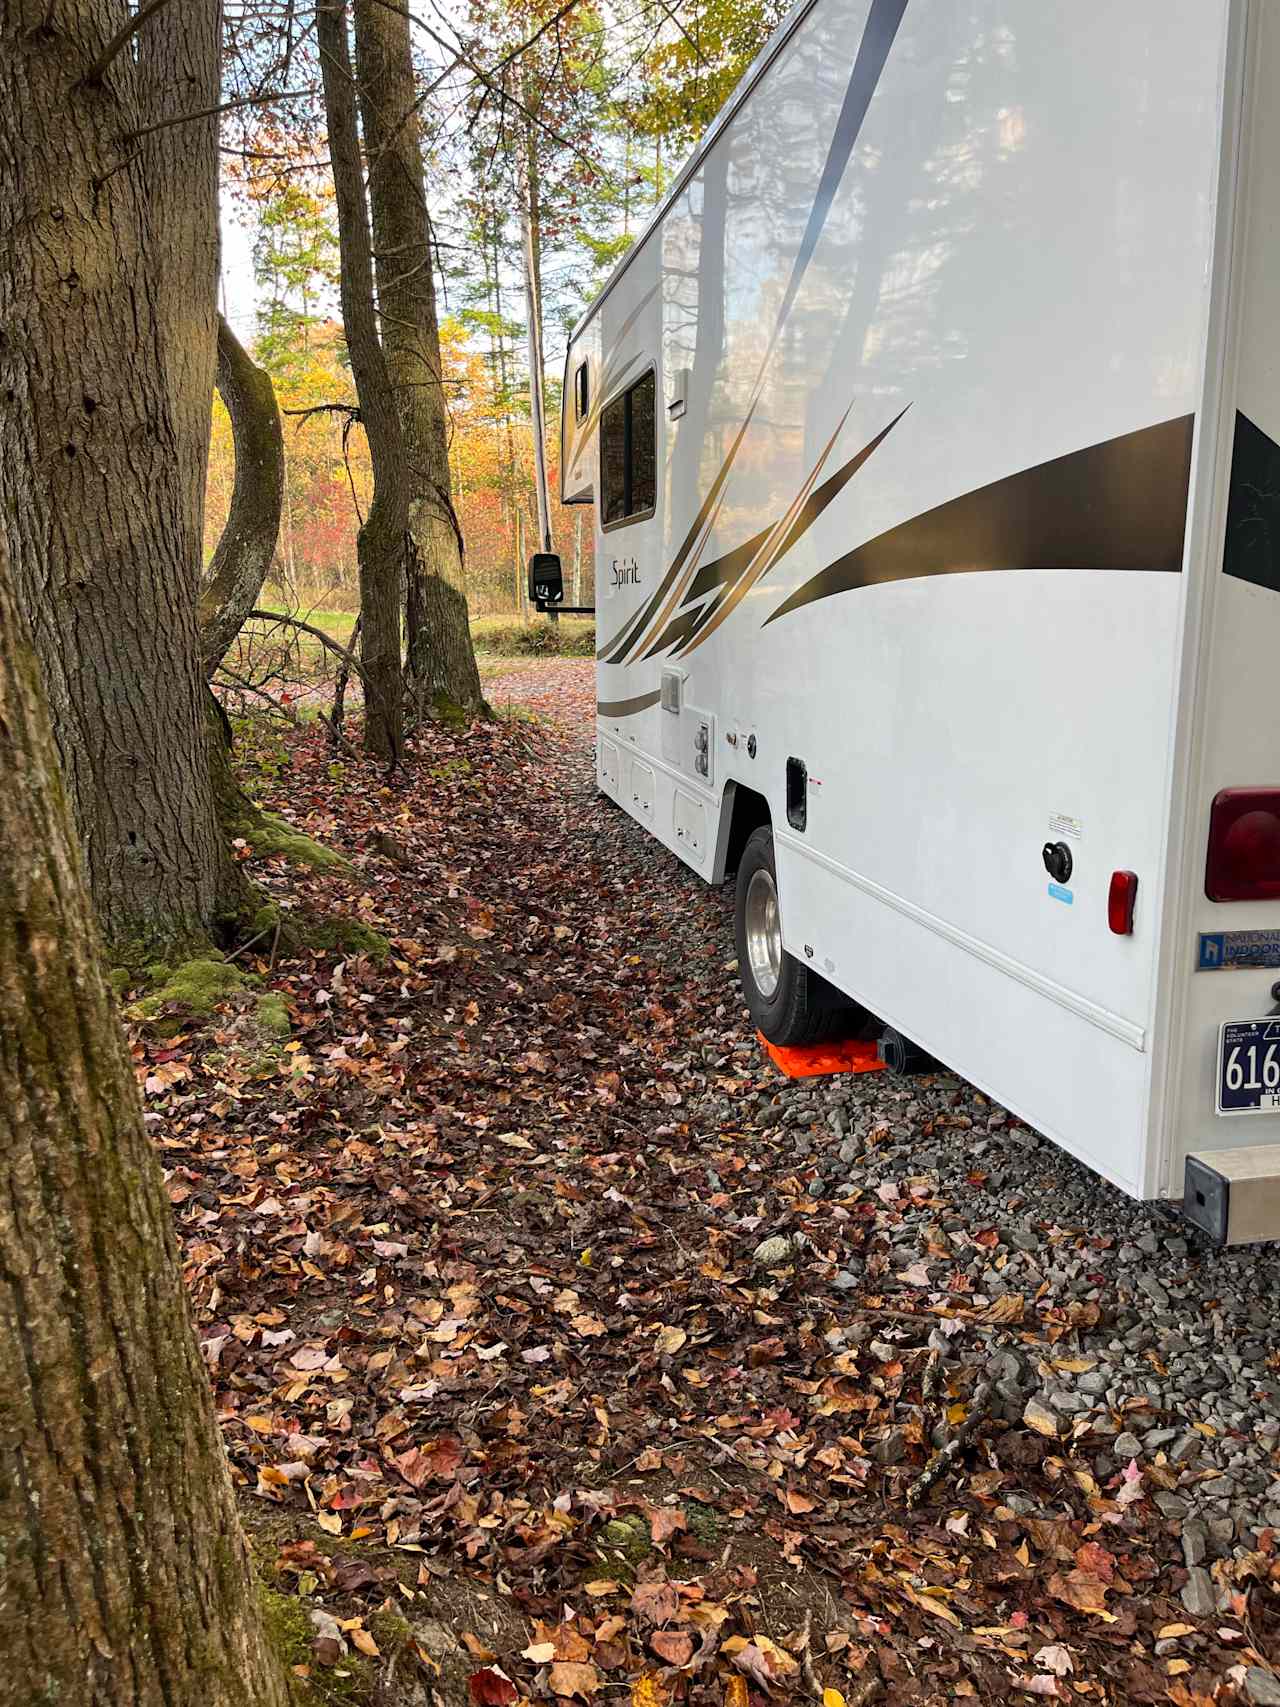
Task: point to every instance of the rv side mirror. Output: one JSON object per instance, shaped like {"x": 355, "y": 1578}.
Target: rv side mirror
{"x": 546, "y": 579}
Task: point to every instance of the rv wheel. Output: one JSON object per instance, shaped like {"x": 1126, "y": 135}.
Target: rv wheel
{"x": 788, "y": 1003}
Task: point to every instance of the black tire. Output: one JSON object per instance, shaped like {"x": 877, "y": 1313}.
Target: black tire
{"x": 802, "y": 1008}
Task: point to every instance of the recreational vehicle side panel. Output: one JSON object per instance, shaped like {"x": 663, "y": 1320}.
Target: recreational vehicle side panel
{"x": 1225, "y": 954}
{"x": 929, "y": 321}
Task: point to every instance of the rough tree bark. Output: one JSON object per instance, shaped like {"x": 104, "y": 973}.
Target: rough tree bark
{"x": 441, "y": 659}
{"x": 125, "y": 1579}
{"x": 382, "y": 541}
{"x": 248, "y": 541}
{"x": 107, "y": 296}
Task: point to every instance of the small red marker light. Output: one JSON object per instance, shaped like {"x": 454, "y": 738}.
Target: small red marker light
{"x": 1121, "y": 899}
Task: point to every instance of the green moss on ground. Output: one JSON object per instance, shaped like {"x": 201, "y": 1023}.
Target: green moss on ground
{"x": 273, "y": 1014}
{"x": 626, "y": 1539}
{"x": 704, "y": 1523}
{"x": 357, "y": 1680}
{"x": 287, "y": 1626}
{"x": 339, "y": 935}
{"x": 197, "y": 985}
{"x": 271, "y": 838}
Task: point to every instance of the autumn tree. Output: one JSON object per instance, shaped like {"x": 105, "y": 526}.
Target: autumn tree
{"x": 107, "y": 340}
{"x": 126, "y": 1581}
{"x": 384, "y": 533}
{"x": 440, "y": 658}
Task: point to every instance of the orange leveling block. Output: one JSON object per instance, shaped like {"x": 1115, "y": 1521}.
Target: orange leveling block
{"x": 815, "y": 1059}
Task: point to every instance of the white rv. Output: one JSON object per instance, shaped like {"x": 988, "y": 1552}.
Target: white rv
{"x": 932, "y": 433}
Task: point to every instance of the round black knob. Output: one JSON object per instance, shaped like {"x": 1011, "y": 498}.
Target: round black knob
{"x": 1057, "y": 860}
{"x": 751, "y": 746}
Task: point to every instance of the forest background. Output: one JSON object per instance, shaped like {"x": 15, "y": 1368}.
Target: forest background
{"x": 555, "y": 160}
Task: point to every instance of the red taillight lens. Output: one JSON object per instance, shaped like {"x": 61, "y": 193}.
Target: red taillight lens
{"x": 1121, "y": 899}
{"x": 1244, "y": 846}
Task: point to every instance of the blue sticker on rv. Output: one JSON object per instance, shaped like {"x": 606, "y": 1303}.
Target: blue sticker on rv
{"x": 1060, "y": 894}
{"x": 1221, "y": 950}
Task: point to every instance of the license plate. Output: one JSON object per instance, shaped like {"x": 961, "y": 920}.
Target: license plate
{"x": 1249, "y": 1066}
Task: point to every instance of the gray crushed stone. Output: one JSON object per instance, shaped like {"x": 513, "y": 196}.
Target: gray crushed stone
{"x": 1184, "y": 1365}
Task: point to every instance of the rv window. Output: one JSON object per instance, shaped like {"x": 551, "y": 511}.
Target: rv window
{"x": 628, "y": 454}
{"x": 580, "y": 393}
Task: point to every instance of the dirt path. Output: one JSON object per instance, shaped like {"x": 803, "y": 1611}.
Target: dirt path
{"x": 539, "y": 1305}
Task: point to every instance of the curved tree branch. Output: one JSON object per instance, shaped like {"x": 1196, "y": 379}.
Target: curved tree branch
{"x": 248, "y": 541}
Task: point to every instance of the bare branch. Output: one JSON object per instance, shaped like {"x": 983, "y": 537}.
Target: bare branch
{"x": 213, "y": 112}
{"x": 94, "y": 75}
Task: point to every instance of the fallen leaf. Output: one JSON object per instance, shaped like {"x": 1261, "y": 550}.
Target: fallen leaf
{"x": 646, "y": 1691}
{"x": 664, "y": 1522}
{"x": 1054, "y": 1658}
{"x": 673, "y": 1646}
{"x": 658, "y": 1602}
{"x": 491, "y": 1687}
{"x": 574, "y": 1677}
{"x": 1081, "y": 1589}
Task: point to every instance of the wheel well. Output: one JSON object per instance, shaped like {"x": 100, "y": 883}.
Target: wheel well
{"x": 750, "y": 811}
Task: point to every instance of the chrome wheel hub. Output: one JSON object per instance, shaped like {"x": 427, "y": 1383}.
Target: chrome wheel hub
{"x": 764, "y": 933}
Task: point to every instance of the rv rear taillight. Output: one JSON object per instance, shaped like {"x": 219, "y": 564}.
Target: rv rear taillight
{"x": 1121, "y": 898}
{"x": 1244, "y": 846}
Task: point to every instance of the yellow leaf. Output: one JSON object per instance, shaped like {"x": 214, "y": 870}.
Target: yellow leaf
{"x": 541, "y": 1653}
{"x": 330, "y": 1522}
{"x": 1170, "y": 1632}
{"x": 365, "y": 1642}
{"x": 832, "y": 1698}
{"x": 736, "y": 1692}
{"x": 670, "y": 1340}
{"x": 928, "y": 1603}
{"x": 646, "y": 1692}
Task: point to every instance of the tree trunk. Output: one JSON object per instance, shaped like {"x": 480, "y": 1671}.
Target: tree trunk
{"x": 107, "y": 299}
{"x": 382, "y": 540}
{"x": 441, "y": 659}
{"x": 248, "y": 541}
{"x": 126, "y": 1581}
{"x": 531, "y": 221}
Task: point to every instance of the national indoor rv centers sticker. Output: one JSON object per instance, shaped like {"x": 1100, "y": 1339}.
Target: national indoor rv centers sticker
{"x": 1226, "y": 951}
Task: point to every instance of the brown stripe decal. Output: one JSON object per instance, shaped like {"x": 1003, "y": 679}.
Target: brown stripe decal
{"x": 1252, "y": 546}
{"x": 1117, "y": 505}
{"x": 627, "y": 707}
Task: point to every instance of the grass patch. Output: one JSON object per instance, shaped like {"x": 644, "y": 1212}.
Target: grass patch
{"x": 504, "y": 637}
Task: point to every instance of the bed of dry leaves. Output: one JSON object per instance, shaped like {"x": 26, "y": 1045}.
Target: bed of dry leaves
{"x": 476, "y": 1287}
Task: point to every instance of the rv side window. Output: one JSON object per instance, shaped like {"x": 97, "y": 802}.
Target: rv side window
{"x": 628, "y": 454}
{"x": 581, "y": 395}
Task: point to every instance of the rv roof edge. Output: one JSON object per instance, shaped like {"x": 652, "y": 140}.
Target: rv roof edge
{"x": 1233, "y": 1196}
